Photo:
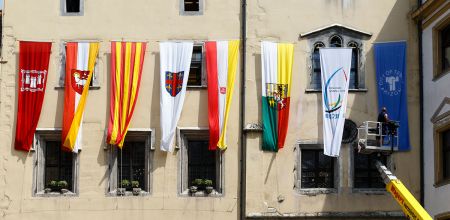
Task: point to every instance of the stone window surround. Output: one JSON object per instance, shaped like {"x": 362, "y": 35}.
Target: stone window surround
{"x": 312, "y": 145}
{"x": 347, "y": 38}
{"x": 40, "y": 137}
{"x": 438, "y": 72}
{"x": 439, "y": 126}
{"x": 133, "y": 134}
{"x": 62, "y": 66}
{"x": 201, "y": 6}
{"x": 182, "y": 136}
{"x": 65, "y": 13}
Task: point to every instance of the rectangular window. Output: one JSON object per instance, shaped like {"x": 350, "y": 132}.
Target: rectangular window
{"x": 199, "y": 167}
{"x": 191, "y": 7}
{"x": 445, "y": 140}
{"x": 445, "y": 48}
{"x": 72, "y": 7}
{"x": 197, "y": 75}
{"x": 55, "y": 171}
{"x": 58, "y": 164}
{"x": 317, "y": 170}
{"x": 441, "y": 47}
{"x": 131, "y": 166}
{"x": 365, "y": 173}
{"x": 95, "y": 82}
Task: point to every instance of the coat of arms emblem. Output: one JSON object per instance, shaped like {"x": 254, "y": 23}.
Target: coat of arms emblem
{"x": 174, "y": 82}
{"x": 277, "y": 94}
{"x": 79, "y": 78}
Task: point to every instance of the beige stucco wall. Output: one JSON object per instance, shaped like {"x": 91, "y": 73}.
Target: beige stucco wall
{"x": 107, "y": 20}
{"x": 270, "y": 175}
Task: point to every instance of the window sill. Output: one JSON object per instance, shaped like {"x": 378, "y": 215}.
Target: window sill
{"x": 436, "y": 77}
{"x": 442, "y": 183}
{"x": 320, "y": 91}
{"x": 196, "y": 87}
{"x": 370, "y": 191}
{"x": 317, "y": 191}
{"x": 55, "y": 194}
{"x": 127, "y": 194}
{"x": 90, "y": 87}
{"x": 200, "y": 193}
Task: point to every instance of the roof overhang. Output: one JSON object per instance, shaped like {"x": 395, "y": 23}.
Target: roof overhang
{"x": 336, "y": 26}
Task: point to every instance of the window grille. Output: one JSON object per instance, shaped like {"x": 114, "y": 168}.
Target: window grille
{"x": 58, "y": 164}
{"x": 317, "y": 170}
{"x": 366, "y": 174}
{"x": 191, "y": 5}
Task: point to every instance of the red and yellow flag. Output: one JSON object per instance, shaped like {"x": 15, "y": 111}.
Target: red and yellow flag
{"x": 127, "y": 59}
{"x": 80, "y": 62}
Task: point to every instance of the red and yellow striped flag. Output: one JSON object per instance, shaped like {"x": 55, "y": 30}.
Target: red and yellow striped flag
{"x": 80, "y": 62}
{"x": 127, "y": 59}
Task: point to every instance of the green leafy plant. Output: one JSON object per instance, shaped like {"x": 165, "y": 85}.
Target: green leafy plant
{"x": 62, "y": 184}
{"x": 135, "y": 184}
{"x": 207, "y": 182}
{"x": 125, "y": 183}
{"x": 197, "y": 182}
{"x": 53, "y": 184}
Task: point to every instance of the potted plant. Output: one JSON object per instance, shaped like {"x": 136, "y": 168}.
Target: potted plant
{"x": 136, "y": 189}
{"x": 208, "y": 186}
{"x": 52, "y": 186}
{"x": 62, "y": 184}
{"x": 124, "y": 184}
{"x": 196, "y": 185}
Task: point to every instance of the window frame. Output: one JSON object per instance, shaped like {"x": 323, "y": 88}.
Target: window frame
{"x": 438, "y": 71}
{"x": 63, "y": 9}
{"x": 351, "y": 181}
{"x": 40, "y": 137}
{"x": 307, "y": 145}
{"x": 203, "y": 84}
{"x": 346, "y": 39}
{"x": 62, "y": 67}
{"x": 133, "y": 134}
{"x": 197, "y": 133}
{"x": 439, "y": 128}
{"x": 183, "y": 12}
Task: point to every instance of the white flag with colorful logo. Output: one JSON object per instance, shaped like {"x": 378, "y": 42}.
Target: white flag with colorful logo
{"x": 335, "y": 67}
{"x": 175, "y": 64}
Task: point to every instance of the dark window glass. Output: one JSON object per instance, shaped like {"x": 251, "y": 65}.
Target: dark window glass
{"x": 58, "y": 164}
{"x": 72, "y": 6}
{"x": 316, "y": 75}
{"x": 353, "y": 84}
{"x": 317, "y": 170}
{"x": 201, "y": 162}
{"x": 335, "y": 41}
{"x": 446, "y": 153}
{"x": 131, "y": 163}
{"x": 191, "y": 5}
{"x": 445, "y": 47}
{"x": 366, "y": 174}
{"x": 195, "y": 73}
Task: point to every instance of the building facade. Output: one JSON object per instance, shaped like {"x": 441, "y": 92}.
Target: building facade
{"x": 298, "y": 181}
{"x": 433, "y": 17}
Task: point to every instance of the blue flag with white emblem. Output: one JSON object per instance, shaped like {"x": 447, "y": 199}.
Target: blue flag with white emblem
{"x": 390, "y": 65}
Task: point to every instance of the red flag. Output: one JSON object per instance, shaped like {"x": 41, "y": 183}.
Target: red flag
{"x": 33, "y": 71}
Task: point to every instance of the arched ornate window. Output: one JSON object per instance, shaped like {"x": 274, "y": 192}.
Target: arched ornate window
{"x": 316, "y": 75}
{"x": 335, "y": 41}
{"x": 354, "y": 66}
